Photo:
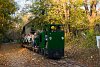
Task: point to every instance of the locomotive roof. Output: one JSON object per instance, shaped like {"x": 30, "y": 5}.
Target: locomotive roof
{"x": 54, "y": 24}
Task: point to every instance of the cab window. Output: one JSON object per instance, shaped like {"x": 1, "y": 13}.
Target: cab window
{"x": 56, "y": 28}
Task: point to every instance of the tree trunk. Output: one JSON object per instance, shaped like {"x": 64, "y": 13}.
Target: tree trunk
{"x": 86, "y": 6}
{"x": 93, "y": 8}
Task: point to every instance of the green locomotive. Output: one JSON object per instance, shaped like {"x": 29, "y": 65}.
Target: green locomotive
{"x": 50, "y": 42}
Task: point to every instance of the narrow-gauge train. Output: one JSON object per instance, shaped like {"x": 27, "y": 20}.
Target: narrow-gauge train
{"x": 50, "y": 41}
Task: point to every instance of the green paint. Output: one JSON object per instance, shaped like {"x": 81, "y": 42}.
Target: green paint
{"x": 56, "y": 40}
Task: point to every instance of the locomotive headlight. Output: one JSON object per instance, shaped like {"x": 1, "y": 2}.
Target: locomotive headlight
{"x": 62, "y": 38}
{"x": 46, "y": 39}
{"x": 50, "y": 38}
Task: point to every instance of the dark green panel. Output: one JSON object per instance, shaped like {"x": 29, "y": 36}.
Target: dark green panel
{"x": 56, "y": 40}
{"x": 42, "y": 37}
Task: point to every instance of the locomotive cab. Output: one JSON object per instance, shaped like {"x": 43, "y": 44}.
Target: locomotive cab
{"x": 52, "y": 41}
{"x": 56, "y": 41}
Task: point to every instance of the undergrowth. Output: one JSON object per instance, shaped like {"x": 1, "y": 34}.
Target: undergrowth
{"x": 83, "y": 49}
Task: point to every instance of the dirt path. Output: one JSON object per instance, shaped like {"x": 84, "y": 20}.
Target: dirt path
{"x": 13, "y": 55}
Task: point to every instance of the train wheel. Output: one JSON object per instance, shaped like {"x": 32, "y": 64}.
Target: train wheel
{"x": 41, "y": 51}
{"x": 45, "y": 52}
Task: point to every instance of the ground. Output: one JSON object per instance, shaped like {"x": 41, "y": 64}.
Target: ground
{"x": 13, "y": 55}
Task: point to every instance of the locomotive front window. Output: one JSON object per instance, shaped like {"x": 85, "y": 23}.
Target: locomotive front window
{"x": 62, "y": 28}
{"x": 57, "y": 28}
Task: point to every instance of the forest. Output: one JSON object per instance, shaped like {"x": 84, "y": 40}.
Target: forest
{"x": 81, "y": 20}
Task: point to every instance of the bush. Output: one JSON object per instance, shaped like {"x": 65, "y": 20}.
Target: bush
{"x": 83, "y": 49}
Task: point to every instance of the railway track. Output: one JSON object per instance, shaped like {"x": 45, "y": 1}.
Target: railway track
{"x": 15, "y": 56}
{"x": 65, "y": 62}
